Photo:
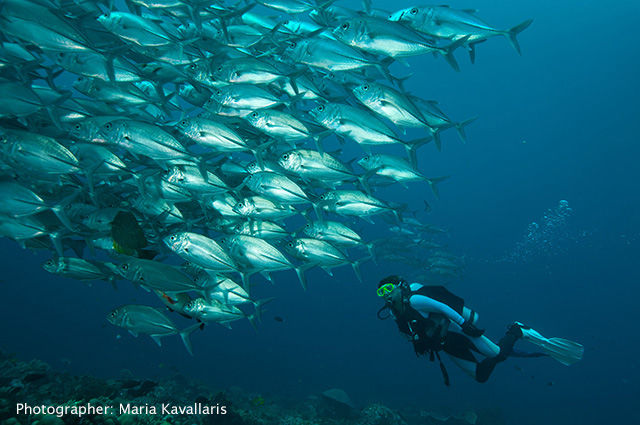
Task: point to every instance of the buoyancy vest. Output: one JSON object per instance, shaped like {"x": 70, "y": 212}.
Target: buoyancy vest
{"x": 427, "y": 334}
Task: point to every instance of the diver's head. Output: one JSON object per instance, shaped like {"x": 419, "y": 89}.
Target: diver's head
{"x": 387, "y": 286}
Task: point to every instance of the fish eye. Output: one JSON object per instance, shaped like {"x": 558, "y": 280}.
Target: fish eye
{"x": 218, "y": 92}
{"x": 320, "y": 108}
{"x": 106, "y": 15}
{"x": 77, "y": 127}
{"x": 290, "y": 244}
{"x": 193, "y": 66}
{"x": 112, "y": 315}
{"x": 292, "y": 45}
{"x": 125, "y": 267}
{"x": 366, "y": 158}
{"x": 285, "y": 23}
{"x": 414, "y": 11}
{"x": 323, "y": 197}
{"x": 108, "y": 126}
{"x": 285, "y": 156}
{"x": 80, "y": 79}
{"x": 183, "y": 122}
{"x": 365, "y": 87}
{"x": 308, "y": 226}
{"x": 172, "y": 238}
{"x": 254, "y": 115}
{"x": 345, "y": 26}
{"x": 49, "y": 263}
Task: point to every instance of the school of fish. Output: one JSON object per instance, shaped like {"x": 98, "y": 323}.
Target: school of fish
{"x": 180, "y": 144}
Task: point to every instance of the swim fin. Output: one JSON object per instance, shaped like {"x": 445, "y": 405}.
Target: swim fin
{"x": 565, "y": 351}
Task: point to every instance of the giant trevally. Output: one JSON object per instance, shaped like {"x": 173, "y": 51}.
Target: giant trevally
{"x": 397, "y": 169}
{"x": 383, "y": 37}
{"x": 276, "y": 187}
{"x": 258, "y": 207}
{"x": 454, "y": 24}
{"x": 145, "y": 139}
{"x": 330, "y": 55}
{"x": 362, "y": 127}
{"x": 37, "y": 155}
{"x": 201, "y": 250}
{"x": 142, "y": 319}
{"x": 156, "y": 275}
{"x": 80, "y": 269}
{"x": 322, "y": 254}
{"x": 355, "y": 203}
{"x": 338, "y": 234}
{"x": 134, "y": 29}
{"x": 312, "y": 165}
{"x": 258, "y": 255}
{"x": 215, "y": 312}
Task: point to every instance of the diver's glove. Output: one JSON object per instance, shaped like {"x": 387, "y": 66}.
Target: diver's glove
{"x": 469, "y": 329}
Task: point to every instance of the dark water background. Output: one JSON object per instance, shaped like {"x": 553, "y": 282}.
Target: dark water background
{"x": 561, "y": 122}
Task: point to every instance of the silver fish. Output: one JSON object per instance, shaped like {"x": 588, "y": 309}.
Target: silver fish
{"x": 454, "y": 24}
{"x": 397, "y": 169}
{"x": 276, "y": 187}
{"x": 142, "y": 319}
{"x": 201, "y": 250}
{"x": 321, "y": 253}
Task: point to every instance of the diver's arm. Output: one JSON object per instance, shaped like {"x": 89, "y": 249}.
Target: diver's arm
{"x": 428, "y": 305}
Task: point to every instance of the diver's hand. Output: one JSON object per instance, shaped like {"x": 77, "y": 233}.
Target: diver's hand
{"x": 470, "y": 330}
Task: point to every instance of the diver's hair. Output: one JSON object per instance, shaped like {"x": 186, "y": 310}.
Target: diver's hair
{"x": 395, "y": 279}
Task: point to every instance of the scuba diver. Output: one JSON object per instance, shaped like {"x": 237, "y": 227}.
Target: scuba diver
{"x": 435, "y": 320}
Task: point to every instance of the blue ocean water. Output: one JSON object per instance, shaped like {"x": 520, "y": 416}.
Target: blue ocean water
{"x": 560, "y": 122}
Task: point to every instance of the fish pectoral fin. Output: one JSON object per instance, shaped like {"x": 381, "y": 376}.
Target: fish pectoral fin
{"x": 327, "y": 269}
{"x": 366, "y": 218}
{"x": 157, "y": 340}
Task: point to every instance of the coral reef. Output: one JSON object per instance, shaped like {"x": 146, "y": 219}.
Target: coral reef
{"x": 127, "y": 400}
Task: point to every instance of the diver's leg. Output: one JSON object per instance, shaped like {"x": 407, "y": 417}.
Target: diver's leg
{"x": 506, "y": 344}
{"x": 482, "y": 344}
{"x": 459, "y": 348}
{"x": 466, "y": 364}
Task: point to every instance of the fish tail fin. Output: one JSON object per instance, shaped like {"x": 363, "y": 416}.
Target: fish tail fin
{"x": 383, "y": 67}
{"x": 317, "y": 138}
{"x": 59, "y": 211}
{"x": 364, "y": 179}
{"x": 258, "y": 305}
{"x": 372, "y": 252}
{"x": 472, "y": 50}
{"x": 433, "y": 182}
{"x": 300, "y": 271}
{"x": 293, "y": 79}
{"x": 460, "y": 128}
{"x": 245, "y": 279}
{"x": 448, "y": 53}
{"x": 252, "y": 319}
{"x": 399, "y": 81}
{"x": 185, "y": 333}
{"x": 513, "y": 33}
{"x": 437, "y": 139}
{"x": 356, "y": 267}
{"x": 412, "y": 147}
{"x": 57, "y": 243}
